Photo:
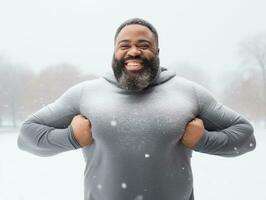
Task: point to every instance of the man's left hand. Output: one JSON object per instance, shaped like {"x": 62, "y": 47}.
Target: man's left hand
{"x": 193, "y": 133}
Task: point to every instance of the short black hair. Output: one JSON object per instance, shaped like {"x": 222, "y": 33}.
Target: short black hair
{"x": 140, "y": 22}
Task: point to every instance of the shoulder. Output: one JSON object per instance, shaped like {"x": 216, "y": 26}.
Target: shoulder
{"x": 184, "y": 83}
{"x": 190, "y": 85}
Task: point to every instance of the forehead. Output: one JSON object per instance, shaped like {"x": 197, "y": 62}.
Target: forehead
{"x": 135, "y": 32}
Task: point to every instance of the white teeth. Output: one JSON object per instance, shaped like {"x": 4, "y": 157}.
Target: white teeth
{"x": 134, "y": 65}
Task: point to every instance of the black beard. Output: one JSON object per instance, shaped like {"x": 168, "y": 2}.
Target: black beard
{"x": 139, "y": 81}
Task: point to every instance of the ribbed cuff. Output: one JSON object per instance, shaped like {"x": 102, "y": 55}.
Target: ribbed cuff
{"x": 203, "y": 140}
{"x": 72, "y": 138}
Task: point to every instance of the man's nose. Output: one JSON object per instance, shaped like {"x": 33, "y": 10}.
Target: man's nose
{"x": 134, "y": 51}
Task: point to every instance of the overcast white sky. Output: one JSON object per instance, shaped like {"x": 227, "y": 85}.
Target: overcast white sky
{"x": 40, "y": 33}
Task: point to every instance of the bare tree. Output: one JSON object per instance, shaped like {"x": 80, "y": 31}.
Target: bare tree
{"x": 242, "y": 92}
{"x": 11, "y": 92}
{"x": 53, "y": 81}
{"x": 254, "y": 51}
{"x": 23, "y": 92}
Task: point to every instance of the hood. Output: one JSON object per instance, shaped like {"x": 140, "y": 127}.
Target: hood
{"x": 163, "y": 76}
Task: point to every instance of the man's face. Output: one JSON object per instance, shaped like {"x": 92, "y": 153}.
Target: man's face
{"x": 135, "y": 62}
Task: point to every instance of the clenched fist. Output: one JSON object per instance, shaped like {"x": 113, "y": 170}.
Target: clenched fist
{"x": 193, "y": 132}
{"x": 82, "y": 130}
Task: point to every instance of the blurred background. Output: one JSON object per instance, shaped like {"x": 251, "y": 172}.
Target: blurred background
{"x": 48, "y": 46}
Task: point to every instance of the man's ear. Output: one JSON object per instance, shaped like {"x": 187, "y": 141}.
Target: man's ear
{"x": 158, "y": 51}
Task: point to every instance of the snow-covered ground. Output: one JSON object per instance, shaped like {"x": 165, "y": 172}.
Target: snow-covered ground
{"x": 24, "y": 176}
{"x": 237, "y": 178}
{"x": 27, "y": 177}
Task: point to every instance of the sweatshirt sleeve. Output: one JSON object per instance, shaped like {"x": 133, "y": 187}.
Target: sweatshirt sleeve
{"x": 227, "y": 133}
{"x": 48, "y": 131}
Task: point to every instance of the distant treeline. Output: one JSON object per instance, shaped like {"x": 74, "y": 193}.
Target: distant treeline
{"x": 239, "y": 89}
{"x": 24, "y": 92}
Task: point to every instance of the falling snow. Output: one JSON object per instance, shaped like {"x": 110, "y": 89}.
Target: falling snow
{"x": 99, "y": 186}
{"x": 147, "y": 155}
{"x": 124, "y": 185}
{"x": 236, "y": 150}
{"x": 205, "y": 171}
{"x": 113, "y": 123}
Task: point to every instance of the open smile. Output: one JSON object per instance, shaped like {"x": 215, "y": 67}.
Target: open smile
{"x": 134, "y": 65}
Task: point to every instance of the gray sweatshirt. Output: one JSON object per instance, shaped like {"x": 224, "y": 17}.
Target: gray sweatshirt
{"x": 137, "y": 153}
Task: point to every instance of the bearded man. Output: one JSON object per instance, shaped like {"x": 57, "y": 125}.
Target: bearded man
{"x": 137, "y": 126}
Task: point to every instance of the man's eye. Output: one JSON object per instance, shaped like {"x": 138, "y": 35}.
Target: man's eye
{"x": 144, "y": 46}
{"x": 125, "y": 46}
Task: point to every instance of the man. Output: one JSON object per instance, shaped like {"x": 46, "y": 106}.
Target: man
{"x": 138, "y": 126}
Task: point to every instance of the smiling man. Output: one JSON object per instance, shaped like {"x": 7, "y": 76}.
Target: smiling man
{"x": 138, "y": 125}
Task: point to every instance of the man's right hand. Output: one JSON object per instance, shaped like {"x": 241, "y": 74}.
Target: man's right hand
{"x": 82, "y": 130}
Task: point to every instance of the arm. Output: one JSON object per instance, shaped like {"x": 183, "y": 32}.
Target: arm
{"x": 48, "y": 131}
{"x": 226, "y": 132}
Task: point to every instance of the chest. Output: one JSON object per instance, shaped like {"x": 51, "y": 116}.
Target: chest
{"x": 158, "y": 113}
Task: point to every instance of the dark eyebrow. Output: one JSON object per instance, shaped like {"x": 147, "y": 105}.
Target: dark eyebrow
{"x": 139, "y": 41}
{"x": 123, "y": 41}
{"x": 142, "y": 40}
